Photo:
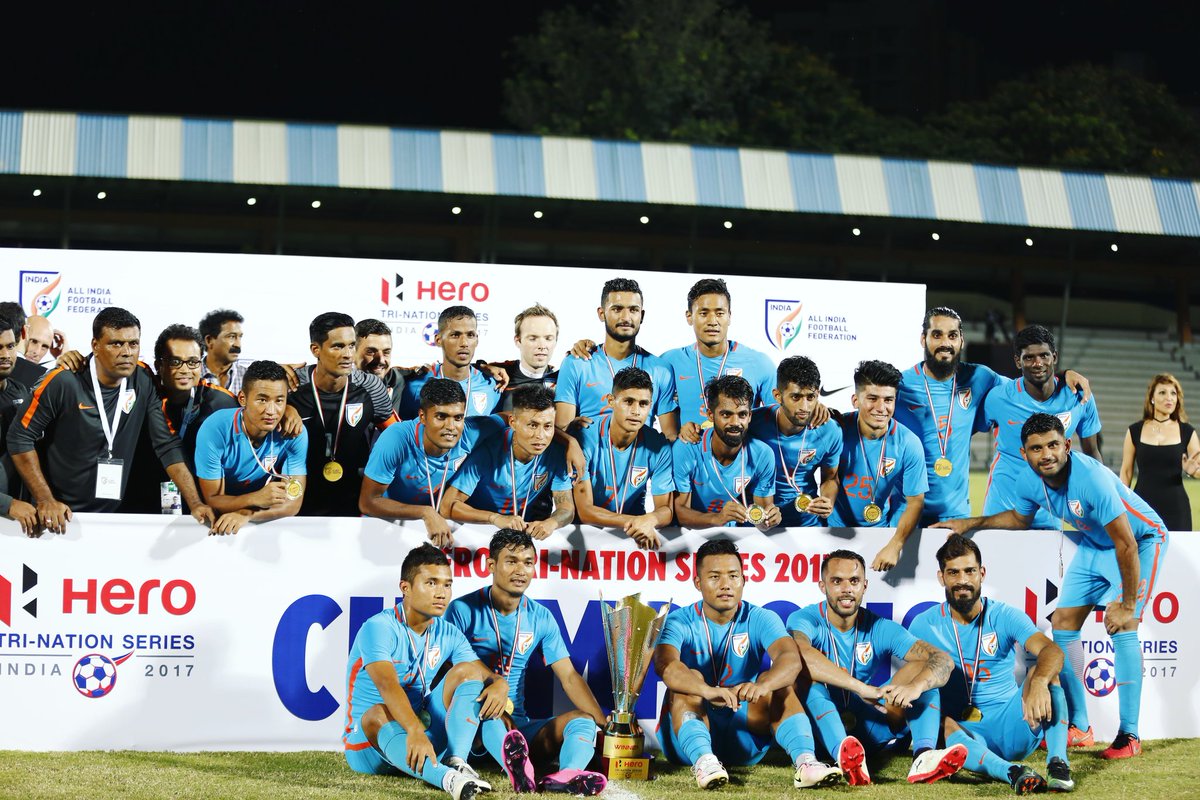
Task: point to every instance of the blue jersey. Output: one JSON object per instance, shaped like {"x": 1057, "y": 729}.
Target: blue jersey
{"x": 399, "y": 462}
{"x": 893, "y": 469}
{"x": 492, "y": 477}
{"x": 586, "y": 383}
{"x": 415, "y": 657}
{"x": 944, "y": 414}
{"x": 1092, "y": 497}
{"x": 482, "y": 395}
{"x": 224, "y": 451}
{"x": 869, "y": 646}
{"x": 506, "y": 643}
{"x": 983, "y": 649}
{"x": 693, "y": 371}
{"x": 751, "y": 473}
{"x": 728, "y": 654}
{"x": 797, "y": 459}
{"x": 620, "y": 478}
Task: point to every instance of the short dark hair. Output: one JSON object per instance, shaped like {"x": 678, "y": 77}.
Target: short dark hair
{"x": 322, "y": 324}
{"x": 957, "y": 546}
{"x": 13, "y": 313}
{"x": 715, "y": 547}
{"x": 441, "y": 392}
{"x": 734, "y": 387}
{"x": 176, "y": 332}
{"x": 939, "y": 311}
{"x": 632, "y": 378}
{"x": 6, "y": 324}
{"x": 708, "y": 286}
{"x": 1041, "y": 423}
{"x": 875, "y": 373}
{"x": 425, "y": 555}
{"x": 371, "y": 327}
{"x": 846, "y": 555}
{"x": 263, "y": 371}
{"x": 799, "y": 370}
{"x": 619, "y": 285}
{"x": 532, "y": 397}
{"x": 452, "y": 313}
{"x": 1033, "y": 334}
{"x": 114, "y": 318}
{"x": 213, "y": 321}
{"x": 509, "y": 537}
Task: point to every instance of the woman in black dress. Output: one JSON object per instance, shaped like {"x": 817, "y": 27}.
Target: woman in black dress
{"x": 1164, "y": 447}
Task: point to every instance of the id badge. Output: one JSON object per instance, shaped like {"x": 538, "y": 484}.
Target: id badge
{"x": 108, "y": 478}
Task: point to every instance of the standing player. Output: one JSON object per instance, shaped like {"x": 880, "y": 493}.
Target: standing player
{"x": 625, "y": 459}
{"x": 373, "y": 354}
{"x": 14, "y": 396}
{"x": 584, "y": 383}
{"x": 985, "y": 711}
{"x": 505, "y": 628}
{"x": 839, "y": 641}
{"x": 882, "y": 467}
{"x": 720, "y": 707}
{"x": 504, "y": 475}
{"x": 1036, "y": 391}
{"x": 536, "y": 338}
{"x": 222, "y": 332}
{"x": 713, "y": 355}
{"x": 412, "y": 461}
{"x": 1119, "y": 556}
{"x": 726, "y": 478}
{"x": 785, "y": 426}
{"x": 26, "y": 371}
{"x": 458, "y": 336}
{"x": 393, "y": 699}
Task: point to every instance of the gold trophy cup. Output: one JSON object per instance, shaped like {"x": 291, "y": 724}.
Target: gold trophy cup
{"x": 631, "y": 630}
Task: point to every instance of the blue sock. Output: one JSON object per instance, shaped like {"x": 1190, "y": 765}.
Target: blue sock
{"x": 830, "y": 727}
{"x": 694, "y": 740}
{"x": 924, "y": 718}
{"x": 979, "y": 758}
{"x": 492, "y": 732}
{"x": 462, "y": 719}
{"x": 1056, "y": 728}
{"x": 1128, "y": 658}
{"x": 795, "y": 736}
{"x": 1071, "y": 677}
{"x": 579, "y": 744}
{"x": 393, "y": 743}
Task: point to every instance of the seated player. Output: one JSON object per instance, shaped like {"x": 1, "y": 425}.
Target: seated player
{"x": 984, "y": 709}
{"x": 883, "y": 465}
{"x": 399, "y": 718}
{"x": 412, "y": 460}
{"x": 785, "y": 426}
{"x": 844, "y": 646}
{"x": 457, "y": 336}
{"x": 243, "y": 463}
{"x": 505, "y": 627}
{"x": 504, "y": 475}
{"x": 1120, "y": 553}
{"x": 726, "y": 478}
{"x": 625, "y": 459}
{"x": 720, "y": 707}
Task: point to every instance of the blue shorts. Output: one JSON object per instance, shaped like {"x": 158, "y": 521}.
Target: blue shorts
{"x": 530, "y": 727}
{"x": 1094, "y": 579}
{"x": 363, "y": 757}
{"x": 733, "y": 743}
{"x": 1004, "y": 730}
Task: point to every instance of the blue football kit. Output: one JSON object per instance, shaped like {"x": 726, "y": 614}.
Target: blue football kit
{"x": 223, "y": 450}
{"x": 711, "y": 484}
{"x": 482, "y": 395}
{"x": 621, "y": 478}
{"x": 877, "y": 472}
{"x": 399, "y": 461}
{"x": 586, "y": 383}
{"x": 797, "y": 459}
{"x": 494, "y": 480}
{"x": 693, "y": 370}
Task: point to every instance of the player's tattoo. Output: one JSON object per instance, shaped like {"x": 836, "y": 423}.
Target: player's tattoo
{"x": 937, "y": 662}
{"x": 564, "y": 508}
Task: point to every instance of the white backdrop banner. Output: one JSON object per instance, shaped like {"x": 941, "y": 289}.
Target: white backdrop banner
{"x": 240, "y": 643}
{"x": 835, "y": 323}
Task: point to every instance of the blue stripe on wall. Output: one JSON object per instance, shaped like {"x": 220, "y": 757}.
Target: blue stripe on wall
{"x": 312, "y": 156}
{"x": 10, "y": 141}
{"x": 620, "y": 175}
{"x": 909, "y": 189}
{"x": 101, "y": 145}
{"x": 417, "y": 160}
{"x": 207, "y": 150}
{"x": 519, "y": 166}
{"x": 718, "y": 172}
{"x": 1087, "y": 197}
{"x": 814, "y": 183}
{"x": 1000, "y": 198}
{"x": 1177, "y": 207}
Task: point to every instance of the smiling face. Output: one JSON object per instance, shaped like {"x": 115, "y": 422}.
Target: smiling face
{"x": 844, "y": 584}
{"x": 374, "y": 354}
{"x": 731, "y": 420}
{"x": 943, "y": 344}
{"x": 1037, "y": 363}
{"x": 720, "y": 580}
{"x": 512, "y": 569}
{"x": 875, "y": 405}
{"x": 1048, "y": 453}
{"x": 180, "y": 370}
{"x": 443, "y": 425}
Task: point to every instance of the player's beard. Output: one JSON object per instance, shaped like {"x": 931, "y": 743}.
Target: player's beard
{"x": 963, "y": 605}
{"x": 732, "y": 440}
{"x": 938, "y": 369}
{"x": 627, "y": 335}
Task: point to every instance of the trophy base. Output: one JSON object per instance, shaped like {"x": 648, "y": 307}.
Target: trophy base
{"x": 622, "y": 758}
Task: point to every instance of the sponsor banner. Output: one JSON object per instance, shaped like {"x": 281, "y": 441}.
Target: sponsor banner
{"x": 146, "y": 634}
{"x": 836, "y": 323}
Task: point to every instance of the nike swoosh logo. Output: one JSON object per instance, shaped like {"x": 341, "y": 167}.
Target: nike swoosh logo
{"x": 685, "y": 377}
{"x": 82, "y": 407}
{"x": 306, "y": 419}
{"x": 1014, "y": 422}
{"x": 18, "y": 401}
{"x": 590, "y": 385}
{"x": 827, "y": 392}
{"x": 479, "y": 638}
{"x": 915, "y": 408}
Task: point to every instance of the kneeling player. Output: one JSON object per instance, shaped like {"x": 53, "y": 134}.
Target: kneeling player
{"x": 984, "y": 709}
{"x": 505, "y": 627}
{"x": 719, "y": 707}
{"x": 391, "y": 696}
{"x": 841, "y": 641}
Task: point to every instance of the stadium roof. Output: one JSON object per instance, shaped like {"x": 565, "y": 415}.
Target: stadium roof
{"x": 474, "y": 163}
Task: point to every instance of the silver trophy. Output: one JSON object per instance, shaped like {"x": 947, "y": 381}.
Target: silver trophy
{"x": 631, "y": 630}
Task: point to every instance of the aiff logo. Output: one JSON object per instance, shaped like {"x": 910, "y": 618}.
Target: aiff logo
{"x": 783, "y": 322}
{"x": 39, "y": 291}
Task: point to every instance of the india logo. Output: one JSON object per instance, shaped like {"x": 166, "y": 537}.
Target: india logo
{"x": 783, "y": 322}
{"x": 39, "y": 291}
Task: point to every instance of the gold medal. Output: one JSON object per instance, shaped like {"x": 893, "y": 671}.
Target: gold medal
{"x": 756, "y": 514}
{"x": 706, "y": 424}
{"x": 426, "y": 720}
{"x": 849, "y": 721}
{"x": 803, "y": 502}
{"x": 332, "y": 471}
{"x": 943, "y": 467}
{"x": 872, "y": 513}
{"x": 972, "y": 714}
{"x": 508, "y": 706}
{"x": 294, "y": 489}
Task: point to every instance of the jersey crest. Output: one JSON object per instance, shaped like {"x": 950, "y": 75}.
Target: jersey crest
{"x": 1076, "y": 507}
{"x": 480, "y": 401}
{"x": 737, "y": 371}
{"x": 129, "y": 399}
{"x": 964, "y": 399}
{"x": 807, "y": 455}
{"x": 354, "y": 413}
{"x": 432, "y": 659}
{"x": 889, "y": 464}
{"x": 524, "y": 642}
{"x": 863, "y": 652}
{"x": 989, "y": 643}
{"x": 269, "y": 462}
{"x": 637, "y": 476}
{"x": 740, "y": 484}
{"x": 1065, "y": 419}
{"x": 539, "y": 481}
{"x": 741, "y": 643}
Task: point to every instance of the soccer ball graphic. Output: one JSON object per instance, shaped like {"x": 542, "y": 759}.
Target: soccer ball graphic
{"x": 1100, "y": 677}
{"x": 94, "y": 675}
{"x": 43, "y": 303}
{"x": 787, "y": 330}
{"x": 429, "y": 333}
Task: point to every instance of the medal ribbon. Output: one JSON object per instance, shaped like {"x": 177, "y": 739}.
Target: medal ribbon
{"x": 503, "y": 668}
{"x": 1062, "y": 525}
{"x": 712, "y": 656}
{"x": 622, "y": 487}
{"x": 330, "y": 452}
{"x": 424, "y": 653}
{"x": 428, "y": 476}
{"x": 943, "y": 443}
{"x": 110, "y": 431}
{"x": 978, "y": 651}
{"x": 790, "y": 477}
{"x": 512, "y": 468}
{"x": 705, "y": 442}
{"x": 437, "y": 373}
{"x": 700, "y": 374}
{"x": 269, "y": 439}
{"x": 837, "y": 661}
{"x": 187, "y": 413}
{"x": 608, "y": 361}
{"x": 875, "y": 476}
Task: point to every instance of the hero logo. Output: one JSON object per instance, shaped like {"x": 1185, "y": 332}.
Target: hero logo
{"x": 119, "y": 596}
{"x": 444, "y": 291}
{"x": 29, "y": 580}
